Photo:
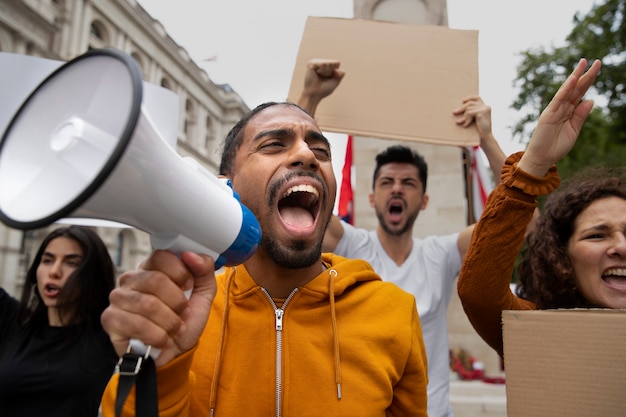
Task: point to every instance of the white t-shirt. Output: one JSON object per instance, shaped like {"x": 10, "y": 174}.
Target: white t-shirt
{"x": 429, "y": 273}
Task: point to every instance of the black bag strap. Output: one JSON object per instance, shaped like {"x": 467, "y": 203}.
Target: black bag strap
{"x": 140, "y": 370}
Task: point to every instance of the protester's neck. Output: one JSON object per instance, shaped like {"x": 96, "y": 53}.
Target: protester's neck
{"x": 278, "y": 280}
{"x": 397, "y": 247}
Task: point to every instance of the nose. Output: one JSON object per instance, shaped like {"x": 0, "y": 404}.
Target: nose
{"x": 618, "y": 248}
{"x": 396, "y": 188}
{"x": 56, "y": 269}
{"x": 302, "y": 156}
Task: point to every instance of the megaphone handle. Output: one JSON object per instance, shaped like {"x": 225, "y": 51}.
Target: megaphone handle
{"x": 141, "y": 348}
{"x": 176, "y": 244}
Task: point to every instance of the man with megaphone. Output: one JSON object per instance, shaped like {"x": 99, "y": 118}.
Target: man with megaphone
{"x": 289, "y": 332}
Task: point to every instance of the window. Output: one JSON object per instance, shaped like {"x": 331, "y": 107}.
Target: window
{"x": 209, "y": 134}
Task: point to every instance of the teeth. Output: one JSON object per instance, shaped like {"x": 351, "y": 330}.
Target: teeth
{"x": 621, "y": 272}
{"x": 302, "y": 188}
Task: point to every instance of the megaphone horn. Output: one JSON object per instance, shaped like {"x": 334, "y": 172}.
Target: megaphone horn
{"x": 81, "y": 145}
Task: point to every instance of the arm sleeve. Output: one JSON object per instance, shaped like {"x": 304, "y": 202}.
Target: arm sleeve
{"x": 485, "y": 277}
{"x": 8, "y": 314}
{"x": 175, "y": 382}
{"x": 355, "y": 243}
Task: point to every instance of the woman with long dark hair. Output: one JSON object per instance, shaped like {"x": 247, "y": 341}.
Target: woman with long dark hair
{"x": 55, "y": 358}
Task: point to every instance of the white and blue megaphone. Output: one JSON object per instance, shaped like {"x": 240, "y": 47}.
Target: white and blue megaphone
{"x": 84, "y": 145}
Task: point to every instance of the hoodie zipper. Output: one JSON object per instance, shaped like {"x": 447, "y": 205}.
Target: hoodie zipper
{"x": 280, "y": 314}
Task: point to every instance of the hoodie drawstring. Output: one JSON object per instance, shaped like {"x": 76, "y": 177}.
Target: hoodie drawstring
{"x": 337, "y": 358}
{"x": 218, "y": 358}
{"x": 331, "y": 291}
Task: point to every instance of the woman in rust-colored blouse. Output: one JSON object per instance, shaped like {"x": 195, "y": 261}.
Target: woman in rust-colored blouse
{"x": 576, "y": 252}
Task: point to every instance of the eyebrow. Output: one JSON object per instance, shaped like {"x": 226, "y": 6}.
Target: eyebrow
{"x": 70, "y": 256}
{"x": 285, "y": 133}
{"x": 600, "y": 227}
{"x": 281, "y": 133}
{"x": 402, "y": 179}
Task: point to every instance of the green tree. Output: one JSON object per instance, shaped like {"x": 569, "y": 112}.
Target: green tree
{"x": 601, "y": 34}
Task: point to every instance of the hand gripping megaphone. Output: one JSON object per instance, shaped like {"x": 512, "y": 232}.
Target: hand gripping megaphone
{"x": 82, "y": 145}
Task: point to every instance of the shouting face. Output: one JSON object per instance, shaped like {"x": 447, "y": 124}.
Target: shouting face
{"x": 398, "y": 197}
{"x": 60, "y": 259}
{"x": 597, "y": 250}
{"x": 283, "y": 173}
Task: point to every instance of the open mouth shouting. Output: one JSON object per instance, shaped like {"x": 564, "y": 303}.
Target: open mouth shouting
{"x": 299, "y": 206}
{"x": 51, "y": 291}
{"x": 395, "y": 208}
{"x": 616, "y": 278}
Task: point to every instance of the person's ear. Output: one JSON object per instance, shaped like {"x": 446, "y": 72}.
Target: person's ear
{"x": 424, "y": 202}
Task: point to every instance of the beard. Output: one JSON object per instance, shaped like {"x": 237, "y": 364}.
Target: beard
{"x": 297, "y": 256}
{"x": 406, "y": 228}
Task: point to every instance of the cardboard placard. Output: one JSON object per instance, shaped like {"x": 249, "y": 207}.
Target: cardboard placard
{"x": 402, "y": 81}
{"x": 565, "y": 362}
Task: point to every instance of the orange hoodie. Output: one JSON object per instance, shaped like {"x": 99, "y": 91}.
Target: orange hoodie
{"x": 345, "y": 344}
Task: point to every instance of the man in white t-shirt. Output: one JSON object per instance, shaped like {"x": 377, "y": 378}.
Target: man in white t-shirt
{"x": 428, "y": 267}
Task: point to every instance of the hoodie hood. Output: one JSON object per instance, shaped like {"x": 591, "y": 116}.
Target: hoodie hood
{"x": 348, "y": 273}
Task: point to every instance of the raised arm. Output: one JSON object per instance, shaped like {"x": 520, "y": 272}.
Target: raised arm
{"x": 322, "y": 77}
{"x": 334, "y": 233}
{"x": 473, "y": 111}
{"x": 561, "y": 121}
{"x": 485, "y": 276}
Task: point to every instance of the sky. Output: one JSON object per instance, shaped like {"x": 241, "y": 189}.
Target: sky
{"x": 255, "y": 43}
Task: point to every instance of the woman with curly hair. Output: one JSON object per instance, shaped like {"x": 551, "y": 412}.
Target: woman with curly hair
{"x": 549, "y": 269}
{"x": 575, "y": 255}
{"x": 55, "y": 358}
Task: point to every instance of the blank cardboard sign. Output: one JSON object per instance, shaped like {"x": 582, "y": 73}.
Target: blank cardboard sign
{"x": 402, "y": 81}
{"x": 564, "y": 363}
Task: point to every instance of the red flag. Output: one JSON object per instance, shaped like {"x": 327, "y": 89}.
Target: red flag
{"x": 482, "y": 183}
{"x": 346, "y": 196}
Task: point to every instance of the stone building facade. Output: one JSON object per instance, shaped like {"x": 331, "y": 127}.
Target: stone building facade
{"x": 63, "y": 29}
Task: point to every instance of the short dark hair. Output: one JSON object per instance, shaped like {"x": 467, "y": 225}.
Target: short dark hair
{"x": 404, "y": 155}
{"x": 234, "y": 138}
